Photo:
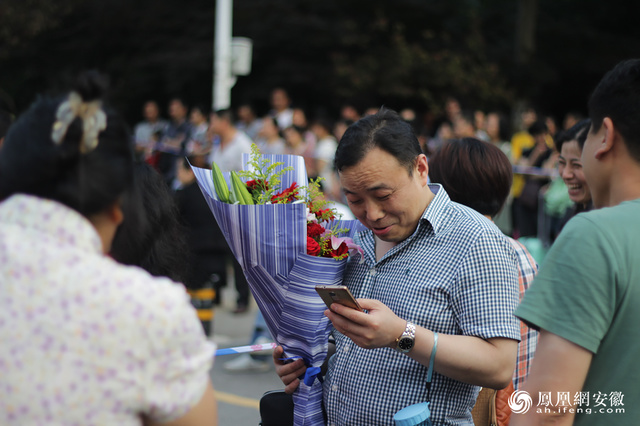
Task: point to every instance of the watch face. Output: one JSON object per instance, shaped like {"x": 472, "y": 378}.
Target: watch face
{"x": 405, "y": 343}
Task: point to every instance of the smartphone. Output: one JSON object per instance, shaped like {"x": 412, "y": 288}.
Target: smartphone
{"x": 338, "y": 294}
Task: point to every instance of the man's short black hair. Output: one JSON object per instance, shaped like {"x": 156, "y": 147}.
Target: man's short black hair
{"x": 617, "y": 96}
{"x": 225, "y": 114}
{"x": 385, "y": 130}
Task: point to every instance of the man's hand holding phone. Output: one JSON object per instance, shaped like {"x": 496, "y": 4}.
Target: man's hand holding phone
{"x": 377, "y": 328}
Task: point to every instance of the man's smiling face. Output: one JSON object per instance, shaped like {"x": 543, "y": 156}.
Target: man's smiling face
{"x": 384, "y": 196}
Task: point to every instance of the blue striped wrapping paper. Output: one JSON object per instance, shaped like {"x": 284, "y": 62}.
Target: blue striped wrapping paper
{"x": 269, "y": 241}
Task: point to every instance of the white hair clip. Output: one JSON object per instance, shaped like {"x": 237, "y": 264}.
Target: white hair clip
{"x": 93, "y": 118}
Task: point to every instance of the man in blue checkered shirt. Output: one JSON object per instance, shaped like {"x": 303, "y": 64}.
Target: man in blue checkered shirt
{"x": 433, "y": 269}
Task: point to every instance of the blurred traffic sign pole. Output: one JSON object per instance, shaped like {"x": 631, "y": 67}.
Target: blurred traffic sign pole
{"x": 222, "y": 79}
{"x": 231, "y": 56}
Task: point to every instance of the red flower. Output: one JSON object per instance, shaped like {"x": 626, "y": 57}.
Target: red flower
{"x": 326, "y": 214}
{"x": 341, "y": 251}
{"x": 254, "y": 184}
{"x": 289, "y": 195}
{"x": 313, "y": 249}
{"x": 314, "y": 229}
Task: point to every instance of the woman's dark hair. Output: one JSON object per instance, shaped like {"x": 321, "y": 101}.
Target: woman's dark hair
{"x": 151, "y": 235}
{"x": 31, "y": 163}
{"x": 385, "y": 130}
{"x": 538, "y": 128}
{"x": 504, "y": 128}
{"x": 474, "y": 173}
{"x": 299, "y": 130}
{"x": 578, "y": 132}
{"x": 323, "y": 121}
{"x": 274, "y": 121}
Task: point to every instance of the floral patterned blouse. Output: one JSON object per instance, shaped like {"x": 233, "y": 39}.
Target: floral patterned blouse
{"x": 83, "y": 339}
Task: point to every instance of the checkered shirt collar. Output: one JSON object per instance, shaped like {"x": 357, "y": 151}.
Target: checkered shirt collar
{"x": 434, "y": 214}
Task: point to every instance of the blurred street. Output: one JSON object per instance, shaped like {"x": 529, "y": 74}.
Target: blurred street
{"x": 238, "y": 393}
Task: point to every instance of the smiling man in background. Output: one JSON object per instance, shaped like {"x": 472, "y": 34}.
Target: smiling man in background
{"x": 585, "y": 298}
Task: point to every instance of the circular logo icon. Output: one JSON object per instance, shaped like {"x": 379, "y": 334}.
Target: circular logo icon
{"x": 520, "y": 402}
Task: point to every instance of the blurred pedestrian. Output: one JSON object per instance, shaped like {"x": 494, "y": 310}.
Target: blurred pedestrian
{"x": 148, "y": 132}
{"x": 340, "y": 127}
{"x": 325, "y": 150}
{"x": 480, "y": 124}
{"x": 173, "y": 141}
{"x": 229, "y": 143}
{"x": 349, "y": 112}
{"x": 463, "y": 125}
{"x": 526, "y": 206}
{"x": 228, "y": 147}
{"x": 281, "y": 107}
{"x": 248, "y": 122}
{"x": 199, "y": 142}
{"x": 296, "y": 144}
{"x": 270, "y": 140}
{"x": 498, "y": 132}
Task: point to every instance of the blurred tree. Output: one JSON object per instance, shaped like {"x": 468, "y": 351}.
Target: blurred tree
{"x": 402, "y": 53}
{"x": 21, "y": 23}
{"x": 150, "y": 48}
{"x": 23, "y": 20}
{"x": 577, "y": 42}
{"x": 399, "y": 53}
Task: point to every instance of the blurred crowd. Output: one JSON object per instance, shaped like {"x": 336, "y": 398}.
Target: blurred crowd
{"x": 528, "y": 138}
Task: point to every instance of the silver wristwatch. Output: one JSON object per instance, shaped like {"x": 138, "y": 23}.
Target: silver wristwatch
{"x": 405, "y": 342}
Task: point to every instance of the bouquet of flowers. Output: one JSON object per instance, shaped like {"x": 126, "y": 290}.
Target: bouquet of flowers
{"x": 287, "y": 242}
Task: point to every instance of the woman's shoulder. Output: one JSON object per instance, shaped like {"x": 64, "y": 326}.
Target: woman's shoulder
{"x": 139, "y": 293}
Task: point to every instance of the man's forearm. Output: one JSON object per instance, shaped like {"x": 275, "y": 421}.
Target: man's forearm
{"x": 488, "y": 363}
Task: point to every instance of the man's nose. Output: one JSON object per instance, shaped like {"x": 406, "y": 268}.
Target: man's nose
{"x": 374, "y": 212}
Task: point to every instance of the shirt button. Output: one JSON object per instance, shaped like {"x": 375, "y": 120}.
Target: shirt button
{"x": 373, "y": 272}
{"x": 334, "y": 388}
{"x": 346, "y": 349}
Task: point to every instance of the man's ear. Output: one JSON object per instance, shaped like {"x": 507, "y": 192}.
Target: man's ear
{"x": 610, "y": 137}
{"x": 115, "y": 213}
{"x": 422, "y": 168}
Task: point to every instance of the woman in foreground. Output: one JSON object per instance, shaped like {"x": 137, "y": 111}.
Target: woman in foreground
{"x": 86, "y": 340}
